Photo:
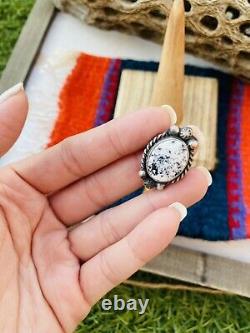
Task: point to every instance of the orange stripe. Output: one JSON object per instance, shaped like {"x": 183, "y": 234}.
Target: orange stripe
{"x": 79, "y": 97}
{"x": 245, "y": 153}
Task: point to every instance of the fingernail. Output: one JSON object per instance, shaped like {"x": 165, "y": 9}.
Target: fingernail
{"x": 198, "y": 134}
{"x": 172, "y": 114}
{"x": 207, "y": 174}
{"x": 180, "y": 208}
{"x": 11, "y": 92}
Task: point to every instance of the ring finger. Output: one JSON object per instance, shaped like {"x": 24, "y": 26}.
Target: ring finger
{"x": 113, "y": 224}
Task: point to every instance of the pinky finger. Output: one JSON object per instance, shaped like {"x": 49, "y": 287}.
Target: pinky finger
{"x": 116, "y": 263}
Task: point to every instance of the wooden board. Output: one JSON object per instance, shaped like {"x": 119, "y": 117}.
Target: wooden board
{"x": 204, "y": 269}
{"x": 200, "y": 106}
{"x": 177, "y": 262}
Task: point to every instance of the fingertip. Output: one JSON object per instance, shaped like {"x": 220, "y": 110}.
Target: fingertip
{"x": 16, "y": 108}
{"x": 206, "y": 173}
{"x": 180, "y": 209}
{"x": 13, "y": 113}
{"x": 198, "y": 180}
{"x": 11, "y": 92}
{"x": 14, "y": 100}
{"x": 161, "y": 117}
{"x": 171, "y": 113}
{"x": 167, "y": 219}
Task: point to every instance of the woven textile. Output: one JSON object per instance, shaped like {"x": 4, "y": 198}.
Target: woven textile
{"x": 88, "y": 97}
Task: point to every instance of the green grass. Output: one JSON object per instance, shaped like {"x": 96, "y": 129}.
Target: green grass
{"x": 13, "y": 14}
{"x": 168, "y": 311}
{"x": 172, "y": 312}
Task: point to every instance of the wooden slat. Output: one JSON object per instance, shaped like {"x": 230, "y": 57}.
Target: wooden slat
{"x": 28, "y": 44}
{"x": 203, "y": 269}
{"x": 200, "y": 106}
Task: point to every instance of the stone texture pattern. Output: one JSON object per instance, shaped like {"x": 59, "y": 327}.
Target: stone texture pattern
{"x": 167, "y": 159}
{"x": 217, "y": 30}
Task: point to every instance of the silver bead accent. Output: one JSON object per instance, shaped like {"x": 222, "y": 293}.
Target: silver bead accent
{"x": 142, "y": 173}
{"x": 193, "y": 144}
{"x": 160, "y": 187}
{"x": 186, "y": 133}
{"x": 174, "y": 130}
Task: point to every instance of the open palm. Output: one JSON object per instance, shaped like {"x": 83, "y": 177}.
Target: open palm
{"x": 54, "y": 268}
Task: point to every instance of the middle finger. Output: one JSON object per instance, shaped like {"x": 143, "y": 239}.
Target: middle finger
{"x": 95, "y": 192}
{"x": 113, "y": 224}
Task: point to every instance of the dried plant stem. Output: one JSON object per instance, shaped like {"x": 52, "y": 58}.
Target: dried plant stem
{"x": 179, "y": 287}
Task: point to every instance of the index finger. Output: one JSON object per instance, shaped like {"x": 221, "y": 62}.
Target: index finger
{"x": 13, "y": 112}
{"x": 85, "y": 153}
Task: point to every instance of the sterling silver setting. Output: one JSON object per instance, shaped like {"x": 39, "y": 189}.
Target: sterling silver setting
{"x": 167, "y": 157}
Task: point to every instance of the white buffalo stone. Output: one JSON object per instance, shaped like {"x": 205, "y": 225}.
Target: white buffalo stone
{"x": 167, "y": 159}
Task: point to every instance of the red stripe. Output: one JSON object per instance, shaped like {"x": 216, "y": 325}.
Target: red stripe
{"x": 79, "y": 97}
{"x": 245, "y": 152}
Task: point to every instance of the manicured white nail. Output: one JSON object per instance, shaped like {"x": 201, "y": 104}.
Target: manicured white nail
{"x": 11, "y": 92}
{"x": 172, "y": 114}
{"x": 180, "y": 208}
{"x": 207, "y": 174}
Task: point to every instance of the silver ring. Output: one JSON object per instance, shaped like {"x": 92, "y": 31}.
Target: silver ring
{"x": 167, "y": 157}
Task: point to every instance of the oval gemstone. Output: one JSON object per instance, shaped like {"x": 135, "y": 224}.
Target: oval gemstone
{"x": 167, "y": 159}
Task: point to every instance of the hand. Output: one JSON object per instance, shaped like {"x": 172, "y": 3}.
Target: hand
{"x": 53, "y": 268}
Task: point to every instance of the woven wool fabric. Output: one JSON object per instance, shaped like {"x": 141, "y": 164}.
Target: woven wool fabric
{"x": 88, "y": 97}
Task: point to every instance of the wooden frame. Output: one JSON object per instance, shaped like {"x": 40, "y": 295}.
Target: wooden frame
{"x": 176, "y": 262}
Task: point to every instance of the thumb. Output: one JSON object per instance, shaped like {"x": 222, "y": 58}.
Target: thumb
{"x": 13, "y": 112}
